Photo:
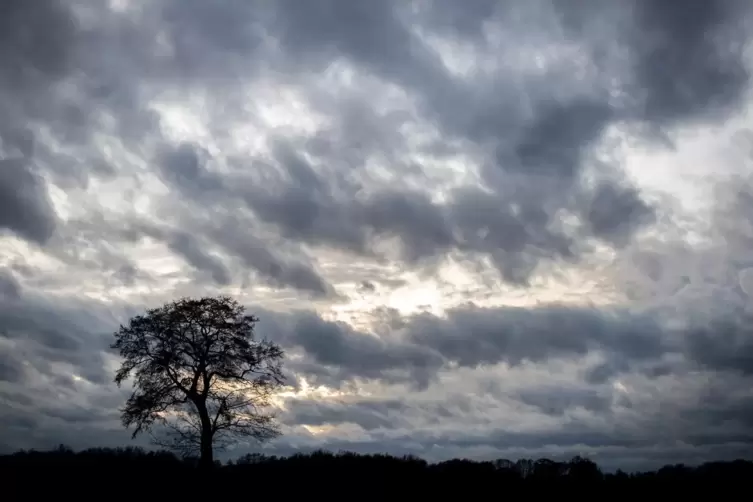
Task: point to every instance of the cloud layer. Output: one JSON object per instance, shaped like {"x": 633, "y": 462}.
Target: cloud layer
{"x": 512, "y": 229}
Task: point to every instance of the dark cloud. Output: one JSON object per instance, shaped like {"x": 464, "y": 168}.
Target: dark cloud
{"x": 554, "y": 143}
{"x": 515, "y": 233}
{"x": 366, "y": 414}
{"x": 185, "y": 166}
{"x": 10, "y": 289}
{"x": 473, "y": 336}
{"x": 339, "y": 353}
{"x": 467, "y": 22}
{"x": 368, "y": 32}
{"x": 689, "y": 57}
{"x": 35, "y": 68}
{"x": 52, "y": 330}
{"x": 614, "y": 212}
{"x": 25, "y": 209}
{"x": 685, "y": 59}
{"x": 227, "y": 36}
{"x": 194, "y": 252}
{"x": 419, "y": 347}
{"x": 724, "y": 345}
{"x": 11, "y": 369}
{"x": 415, "y": 348}
{"x": 35, "y": 420}
{"x": 45, "y": 54}
{"x": 556, "y": 401}
{"x": 276, "y": 268}
{"x": 217, "y": 237}
{"x": 720, "y": 428}
{"x": 31, "y": 62}
{"x": 306, "y": 207}
{"x": 255, "y": 198}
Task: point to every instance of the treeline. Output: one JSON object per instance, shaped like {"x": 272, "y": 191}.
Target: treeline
{"x": 102, "y": 470}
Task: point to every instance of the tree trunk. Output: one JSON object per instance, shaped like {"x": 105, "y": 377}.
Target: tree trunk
{"x": 206, "y": 458}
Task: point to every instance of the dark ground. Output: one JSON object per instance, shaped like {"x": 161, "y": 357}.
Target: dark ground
{"x": 139, "y": 474}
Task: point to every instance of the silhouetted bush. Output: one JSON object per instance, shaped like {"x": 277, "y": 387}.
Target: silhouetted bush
{"x": 135, "y": 472}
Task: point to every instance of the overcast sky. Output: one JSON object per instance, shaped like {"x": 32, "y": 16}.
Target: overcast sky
{"x": 481, "y": 229}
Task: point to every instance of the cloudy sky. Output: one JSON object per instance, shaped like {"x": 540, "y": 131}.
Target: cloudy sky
{"x": 482, "y": 229}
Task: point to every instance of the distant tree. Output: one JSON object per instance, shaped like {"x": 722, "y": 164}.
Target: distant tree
{"x": 198, "y": 372}
{"x": 583, "y": 469}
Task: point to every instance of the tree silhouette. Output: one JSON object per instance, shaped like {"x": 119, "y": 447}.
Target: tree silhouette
{"x": 381, "y": 474}
{"x": 198, "y": 372}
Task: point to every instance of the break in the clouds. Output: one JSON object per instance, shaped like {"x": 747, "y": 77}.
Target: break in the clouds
{"x": 495, "y": 229}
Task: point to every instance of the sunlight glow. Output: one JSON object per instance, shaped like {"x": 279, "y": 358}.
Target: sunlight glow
{"x": 682, "y": 168}
{"x": 619, "y": 386}
{"x": 183, "y": 122}
{"x": 282, "y": 107}
{"x": 318, "y": 430}
{"x": 306, "y": 391}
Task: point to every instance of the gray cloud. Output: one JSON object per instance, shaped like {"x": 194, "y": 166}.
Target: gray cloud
{"x": 31, "y": 63}
{"x": 338, "y": 353}
{"x": 724, "y": 345}
{"x": 11, "y": 369}
{"x": 366, "y": 414}
{"x": 555, "y": 141}
{"x": 473, "y": 336}
{"x": 615, "y": 212}
{"x": 184, "y": 165}
{"x": 192, "y": 250}
{"x": 282, "y": 151}
{"x": 715, "y": 431}
{"x": 10, "y": 289}
{"x": 557, "y": 401}
{"x": 689, "y": 57}
{"x": 46, "y": 331}
{"x": 26, "y": 209}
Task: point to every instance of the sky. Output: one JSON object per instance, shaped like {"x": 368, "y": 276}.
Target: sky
{"x": 479, "y": 229}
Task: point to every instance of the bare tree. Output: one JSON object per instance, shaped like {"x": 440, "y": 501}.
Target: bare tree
{"x": 198, "y": 372}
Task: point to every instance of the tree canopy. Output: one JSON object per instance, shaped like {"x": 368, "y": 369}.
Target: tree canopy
{"x": 200, "y": 374}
